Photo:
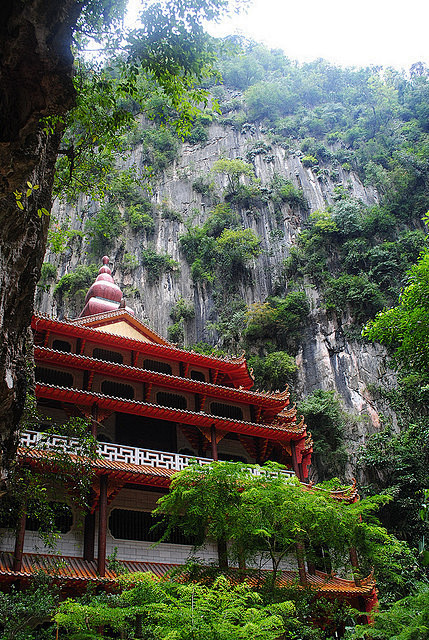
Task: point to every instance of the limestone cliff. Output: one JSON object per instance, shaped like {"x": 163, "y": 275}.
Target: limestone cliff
{"x": 327, "y": 359}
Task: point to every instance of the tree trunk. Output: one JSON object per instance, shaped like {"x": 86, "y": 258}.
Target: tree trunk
{"x": 36, "y": 82}
{"x": 300, "y": 556}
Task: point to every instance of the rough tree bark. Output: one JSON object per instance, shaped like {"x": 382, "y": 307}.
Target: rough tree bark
{"x": 36, "y": 67}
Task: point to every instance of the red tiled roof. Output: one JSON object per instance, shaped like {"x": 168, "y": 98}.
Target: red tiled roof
{"x": 235, "y": 367}
{"x": 122, "y": 471}
{"x": 68, "y": 568}
{"x": 277, "y": 431}
{"x": 276, "y": 401}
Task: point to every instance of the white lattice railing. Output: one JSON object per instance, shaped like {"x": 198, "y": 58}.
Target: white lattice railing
{"x": 132, "y": 455}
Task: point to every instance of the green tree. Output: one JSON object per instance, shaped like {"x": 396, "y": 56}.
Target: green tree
{"x": 45, "y": 97}
{"x": 326, "y": 420}
{"x": 406, "y": 619}
{"x": 204, "y": 501}
{"x": 23, "y": 611}
{"x": 233, "y": 168}
{"x": 404, "y": 329}
{"x": 275, "y": 515}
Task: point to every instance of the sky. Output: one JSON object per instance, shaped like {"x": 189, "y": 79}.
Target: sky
{"x": 368, "y": 32}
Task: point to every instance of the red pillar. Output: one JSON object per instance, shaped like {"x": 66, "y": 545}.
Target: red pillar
{"x": 296, "y": 466}
{"x": 19, "y": 542}
{"x": 102, "y": 527}
{"x": 213, "y": 442}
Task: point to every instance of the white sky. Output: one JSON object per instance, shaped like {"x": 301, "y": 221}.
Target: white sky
{"x": 360, "y": 33}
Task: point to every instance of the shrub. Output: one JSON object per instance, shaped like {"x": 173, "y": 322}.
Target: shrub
{"x": 276, "y": 371}
{"x": 358, "y": 293}
{"x": 72, "y": 287}
{"x": 182, "y": 309}
{"x": 279, "y": 319}
{"x": 176, "y": 332}
{"x": 157, "y": 264}
{"x": 203, "y": 185}
{"x": 104, "y": 228}
{"x": 325, "y": 420}
{"x": 309, "y": 161}
{"x": 129, "y": 263}
{"x": 139, "y": 220}
{"x": 282, "y": 190}
{"x": 168, "y": 213}
{"x": 48, "y": 273}
{"x": 235, "y": 248}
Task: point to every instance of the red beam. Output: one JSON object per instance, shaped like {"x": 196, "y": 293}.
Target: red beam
{"x": 76, "y": 396}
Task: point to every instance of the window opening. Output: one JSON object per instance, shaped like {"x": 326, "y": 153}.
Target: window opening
{"x": 117, "y": 389}
{"x": 125, "y": 524}
{"x": 53, "y": 376}
{"x": 155, "y": 365}
{"x": 226, "y": 410}
{"x": 198, "y": 375}
{"x": 61, "y": 345}
{"x": 108, "y": 356}
{"x": 171, "y": 400}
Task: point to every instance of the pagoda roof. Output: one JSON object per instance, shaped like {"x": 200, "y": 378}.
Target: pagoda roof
{"x": 236, "y": 367}
{"x": 276, "y": 401}
{"x": 120, "y": 322}
{"x": 68, "y": 569}
{"x": 280, "y": 431}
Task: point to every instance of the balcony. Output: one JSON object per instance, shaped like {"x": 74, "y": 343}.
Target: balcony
{"x": 130, "y": 455}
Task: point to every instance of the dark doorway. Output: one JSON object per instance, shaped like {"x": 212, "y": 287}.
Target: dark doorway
{"x": 146, "y": 433}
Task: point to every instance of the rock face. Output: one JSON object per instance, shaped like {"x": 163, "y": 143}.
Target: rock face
{"x": 327, "y": 359}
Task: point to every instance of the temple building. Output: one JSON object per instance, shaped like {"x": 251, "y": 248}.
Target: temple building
{"x": 153, "y": 408}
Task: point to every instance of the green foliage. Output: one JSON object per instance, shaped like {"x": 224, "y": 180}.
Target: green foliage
{"x": 218, "y": 250}
{"x": 233, "y": 168}
{"x": 182, "y": 312}
{"x": 325, "y": 419}
{"x": 309, "y": 161}
{"x": 199, "y": 133}
{"x": 283, "y": 191}
{"x": 139, "y": 217}
{"x": 160, "y": 74}
{"x": 23, "y": 611}
{"x": 157, "y": 264}
{"x": 168, "y": 213}
{"x": 167, "y": 609}
{"x": 358, "y": 293}
{"x": 104, "y": 228}
{"x": 182, "y": 309}
{"x": 72, "y": 287}
{"x": 271, "y": 514}
{"x": 404, "y": 328}
{"x": 399, "y": 465}
{"x": 203, "y": 185}
{"x": 235, "y": 248}
{"x": 280, "y": 320}
{"x": 355, "y": 255}
{"x": 160, "y": 148}
{"x": 276, "y": 371}
{"x": 406, "y": 619}
{"x": 47, "y": 275}
{"x": 31, "y": 490}
{"x": 129, "y": 263}
{"x": 61, "y": 237}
